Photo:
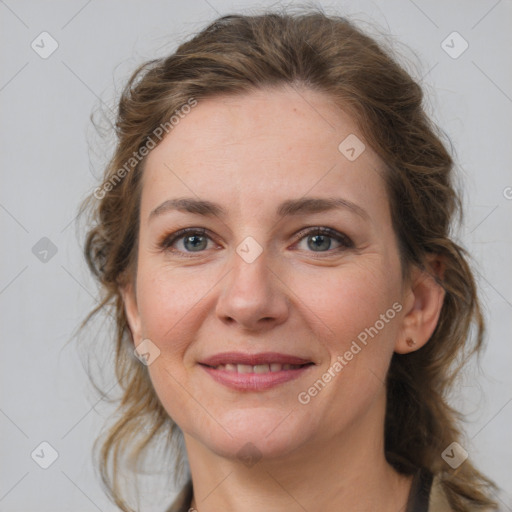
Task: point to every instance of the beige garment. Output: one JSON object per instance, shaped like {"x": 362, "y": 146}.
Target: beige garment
{"x": 438, "y": 501}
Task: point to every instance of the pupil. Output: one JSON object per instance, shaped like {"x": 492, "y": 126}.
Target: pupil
{"x": 323, "y": 239}
{"x": 196, "y": 243}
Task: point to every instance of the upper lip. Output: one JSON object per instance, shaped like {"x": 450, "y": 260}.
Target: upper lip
{"x": 252, "y": 359}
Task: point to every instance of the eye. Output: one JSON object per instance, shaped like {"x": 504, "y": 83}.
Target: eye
{"x": 195, "y": 240}
{"x": 187, "y": 240}
{"x": 319, "y": 239}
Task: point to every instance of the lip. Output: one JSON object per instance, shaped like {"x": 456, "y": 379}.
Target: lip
{"x": 254, "y": 381}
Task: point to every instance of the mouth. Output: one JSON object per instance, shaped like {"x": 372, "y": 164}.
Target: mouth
{"x": 254, "y": 372}
{"x": 257, "y": 368}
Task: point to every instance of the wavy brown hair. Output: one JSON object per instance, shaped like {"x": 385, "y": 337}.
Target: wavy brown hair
{"x": 237, "y": 54}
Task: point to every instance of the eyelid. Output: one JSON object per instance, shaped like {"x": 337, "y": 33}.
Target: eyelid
{"x": 323, "y": 230}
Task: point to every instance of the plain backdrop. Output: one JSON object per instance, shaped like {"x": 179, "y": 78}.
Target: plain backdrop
{"x": 51, "y": 158}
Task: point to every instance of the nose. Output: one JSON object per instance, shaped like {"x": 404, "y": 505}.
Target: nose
{"x": 253, "y": 296}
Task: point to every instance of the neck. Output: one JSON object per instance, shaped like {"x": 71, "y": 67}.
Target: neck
{"x": 347, "y": 472}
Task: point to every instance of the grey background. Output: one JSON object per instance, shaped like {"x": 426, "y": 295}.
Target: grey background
{"x": 51, "y": 159}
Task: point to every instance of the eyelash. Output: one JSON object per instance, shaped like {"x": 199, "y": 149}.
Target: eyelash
{"x": 345, "y": 242}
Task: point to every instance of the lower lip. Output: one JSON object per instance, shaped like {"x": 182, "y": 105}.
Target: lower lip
{"x": 254, "y": 381}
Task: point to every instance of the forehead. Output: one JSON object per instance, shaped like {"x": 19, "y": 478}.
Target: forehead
{"x": 258, "y": 147}
{"x": 273, "y": 115}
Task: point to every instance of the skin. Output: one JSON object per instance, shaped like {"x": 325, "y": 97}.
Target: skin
{"x": 249, "y": 153}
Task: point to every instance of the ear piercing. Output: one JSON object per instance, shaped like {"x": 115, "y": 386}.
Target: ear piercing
{"x": 410, "y": 342}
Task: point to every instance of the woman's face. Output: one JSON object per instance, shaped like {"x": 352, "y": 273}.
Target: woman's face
{"x": 277, "y": 313}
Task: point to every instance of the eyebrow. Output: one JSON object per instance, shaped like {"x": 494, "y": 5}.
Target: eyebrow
{"x": 286, "y": 208}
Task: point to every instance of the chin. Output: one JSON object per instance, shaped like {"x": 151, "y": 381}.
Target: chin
{"x": 254, "y": 433}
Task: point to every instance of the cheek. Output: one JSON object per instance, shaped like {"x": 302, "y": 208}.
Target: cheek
{"x": 357, "y": 312}
{"x": 169, "y": 301}
{"x": 170, "y": 306}
{"x": 348, "y": 301}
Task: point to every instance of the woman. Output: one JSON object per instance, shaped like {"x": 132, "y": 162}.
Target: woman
{"x": 273, "y": 234}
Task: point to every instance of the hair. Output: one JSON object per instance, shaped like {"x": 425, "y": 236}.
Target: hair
{"x": 237, "y": 54}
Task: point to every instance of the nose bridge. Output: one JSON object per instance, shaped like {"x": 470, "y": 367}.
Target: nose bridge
{"x": 251, "y": 294}
{"x": 250, "y": 267}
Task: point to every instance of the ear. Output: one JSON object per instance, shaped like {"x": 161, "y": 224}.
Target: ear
{"x": 132, "y": 311}
{"x": 423, "y": 301}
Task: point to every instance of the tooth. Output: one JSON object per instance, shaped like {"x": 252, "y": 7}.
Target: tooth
{"x": 261, "y": 368}
{"x": 257, "y": 368}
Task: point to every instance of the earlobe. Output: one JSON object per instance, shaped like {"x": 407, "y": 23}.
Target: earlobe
{"x": 131, "y": 310}
{"x": 410, "y": 342}
{"x": 424, "y": 308}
